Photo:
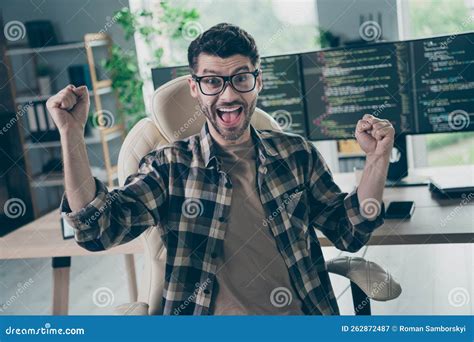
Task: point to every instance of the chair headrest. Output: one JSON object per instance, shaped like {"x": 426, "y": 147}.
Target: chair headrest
{"x": 177, "y": 114}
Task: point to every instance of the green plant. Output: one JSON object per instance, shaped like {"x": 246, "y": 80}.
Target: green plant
{"x": 326, "y": 39}
{"x": 123, "y": 65}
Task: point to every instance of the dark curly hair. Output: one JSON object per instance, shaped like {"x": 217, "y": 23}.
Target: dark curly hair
{"x": 223, "y": 40}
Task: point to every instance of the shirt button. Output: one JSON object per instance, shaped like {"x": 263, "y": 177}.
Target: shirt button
{"x": 206, "y": 291}
{"x": 228, "y": 185}
{"x": 213, "y": 255}
{"x": 221, "y": 219}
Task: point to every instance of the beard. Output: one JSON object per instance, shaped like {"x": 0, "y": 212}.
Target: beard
{"x": 230, "y": 133}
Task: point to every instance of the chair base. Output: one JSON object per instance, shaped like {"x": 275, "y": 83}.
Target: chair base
{"x": 360, "y": 300}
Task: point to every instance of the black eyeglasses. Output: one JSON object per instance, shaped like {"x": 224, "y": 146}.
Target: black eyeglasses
{"x": 243, "y": 82}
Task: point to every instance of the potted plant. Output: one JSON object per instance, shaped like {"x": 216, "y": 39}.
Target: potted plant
{"x": 123, "y": 66}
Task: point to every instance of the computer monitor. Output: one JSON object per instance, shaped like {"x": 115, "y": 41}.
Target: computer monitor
{"x": 421, "y": 86}
{"x": 342, "y": 84}
{"x": 165, "y": 74}
{"x": 281, "y": 96}
{"x": 443, "y": 83}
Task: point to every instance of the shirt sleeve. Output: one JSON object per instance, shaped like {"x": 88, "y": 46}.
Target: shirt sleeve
{"x": 118, "y": 216}
{"x": 338, "y": 214}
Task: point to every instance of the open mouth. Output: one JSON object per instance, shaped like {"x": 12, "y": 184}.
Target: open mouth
{"x": 229, "y": 116}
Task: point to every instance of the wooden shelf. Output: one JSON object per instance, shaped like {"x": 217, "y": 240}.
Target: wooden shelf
{"x": 39, "y": 98}
{"x": 53, "y": 48}
{"x": 351, "y": 155}
{"x": 103, "y": 84}
{"x": 109, "y": 130}
{"x": 88, "y": 140}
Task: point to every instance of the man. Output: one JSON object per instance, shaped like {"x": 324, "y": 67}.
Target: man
{"x": 251, "y": 246}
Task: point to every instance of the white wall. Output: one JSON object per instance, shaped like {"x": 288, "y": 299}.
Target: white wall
{"x": 342, "y": 17}
{"x": 71, "y": 18}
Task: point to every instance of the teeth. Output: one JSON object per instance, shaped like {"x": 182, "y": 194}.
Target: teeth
{"x": 228, "y": 109}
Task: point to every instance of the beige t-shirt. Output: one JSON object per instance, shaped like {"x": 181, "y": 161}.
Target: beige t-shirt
{"x": 252, "y": 278}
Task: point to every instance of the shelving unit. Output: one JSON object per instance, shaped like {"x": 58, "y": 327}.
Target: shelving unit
{"x": 91, "y": 41}
{"x": 39, "y": 98}
{"x": 350, "y": 155}
{"x": 46, "y": 187}
{"x": 13, "y": 185}
{"x": 46, "y": 49}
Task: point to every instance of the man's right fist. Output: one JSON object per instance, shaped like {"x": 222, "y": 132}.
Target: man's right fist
{"x": 70, "y": 108}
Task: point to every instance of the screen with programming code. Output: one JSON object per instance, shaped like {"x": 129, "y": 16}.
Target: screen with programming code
{"x": 443, "y": 83}
{"x": 421, "y": 86}
{"x": 282, "y": 95}
{"x": 343, "y": 84}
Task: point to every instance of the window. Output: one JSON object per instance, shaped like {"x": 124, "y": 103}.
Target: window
{"x": 278, "y": 26}
{"x": 442, "y": 17}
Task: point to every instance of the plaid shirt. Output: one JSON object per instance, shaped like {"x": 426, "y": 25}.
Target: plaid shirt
{"x": 180, "y": 189}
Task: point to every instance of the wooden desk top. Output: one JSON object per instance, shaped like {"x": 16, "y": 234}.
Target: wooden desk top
{"x": 434, "y": 220}
{"x": 43, "y": 238}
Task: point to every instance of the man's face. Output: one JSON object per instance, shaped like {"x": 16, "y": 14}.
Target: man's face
{"x": 229, "y": 112}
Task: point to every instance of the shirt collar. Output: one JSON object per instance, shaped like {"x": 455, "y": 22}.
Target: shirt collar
{"x": 208, "y": 147}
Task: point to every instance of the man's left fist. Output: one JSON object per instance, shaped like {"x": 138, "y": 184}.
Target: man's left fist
{"x": 375, "y": 136}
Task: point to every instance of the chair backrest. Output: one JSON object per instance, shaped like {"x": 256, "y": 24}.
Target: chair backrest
{"x": 175, "y": 115}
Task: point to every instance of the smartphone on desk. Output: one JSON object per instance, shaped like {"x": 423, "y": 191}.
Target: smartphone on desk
{"x": 400, "y": 210}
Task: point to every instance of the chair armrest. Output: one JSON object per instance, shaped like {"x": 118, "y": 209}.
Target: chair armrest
{"x": 132, "y": 309}
{"x": 376, "y": 283}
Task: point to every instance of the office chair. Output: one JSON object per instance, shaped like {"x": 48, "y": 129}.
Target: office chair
{"x": 176, "y": 115}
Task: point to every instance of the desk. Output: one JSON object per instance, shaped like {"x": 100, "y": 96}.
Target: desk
{"x": 435, "y": 220}
{"x": 42, "y": 238}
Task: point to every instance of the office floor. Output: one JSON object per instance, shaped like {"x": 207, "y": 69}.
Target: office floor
{"x": 436, "y": 279}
